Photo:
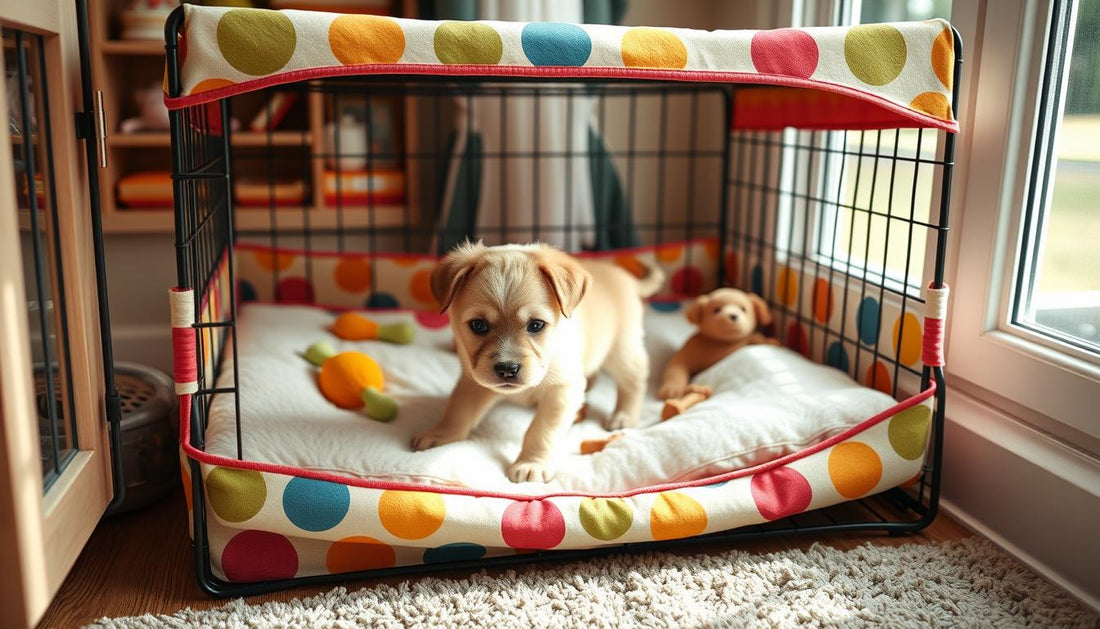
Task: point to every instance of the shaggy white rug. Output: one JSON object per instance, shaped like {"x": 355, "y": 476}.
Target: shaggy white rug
{"x": 968, "y": 582}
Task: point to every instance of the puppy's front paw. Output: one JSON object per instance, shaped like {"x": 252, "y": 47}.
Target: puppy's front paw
{"x": 620, "y": 419}
{"x": 530, "y": 472}
{"x": 669, "y": 391}
{"x": 432, "y": 438}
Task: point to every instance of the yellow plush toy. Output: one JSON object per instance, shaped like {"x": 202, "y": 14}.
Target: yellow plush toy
{"x": 351, "y": 380}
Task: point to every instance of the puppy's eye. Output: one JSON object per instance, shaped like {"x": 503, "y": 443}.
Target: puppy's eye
{"x": 718, "y": 309}
{"x": 534, "y": 326}
{"x": 479, "y": 326}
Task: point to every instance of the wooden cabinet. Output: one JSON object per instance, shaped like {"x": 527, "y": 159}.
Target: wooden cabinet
{"x": 295, "y": 150}
{"x": 55, "y": 470}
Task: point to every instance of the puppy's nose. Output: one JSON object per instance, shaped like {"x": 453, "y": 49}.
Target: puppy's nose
{"x": 734, "y": 316}
{"x": 507, "y": 370}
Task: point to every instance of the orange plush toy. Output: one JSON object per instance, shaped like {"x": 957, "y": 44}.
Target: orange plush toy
{"x": 728, "y": 320}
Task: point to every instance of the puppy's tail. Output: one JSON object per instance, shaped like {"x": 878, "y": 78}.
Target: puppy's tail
{"x": 651, "y": 283}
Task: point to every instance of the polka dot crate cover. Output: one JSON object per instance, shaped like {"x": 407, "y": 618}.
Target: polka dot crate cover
{"x": 266, "y": 522}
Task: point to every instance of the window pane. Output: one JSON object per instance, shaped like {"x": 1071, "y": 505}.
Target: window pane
{"x": 1061, "y": 293}
{"x": 24, "y": 73}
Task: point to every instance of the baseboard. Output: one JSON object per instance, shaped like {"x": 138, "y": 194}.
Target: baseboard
{"x": 1034, "y": 496}
{"x": 1050, "y": 574}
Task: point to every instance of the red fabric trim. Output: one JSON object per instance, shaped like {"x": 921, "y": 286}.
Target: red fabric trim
{"x": 932, "y": 354}
{"x": 427, "y": 256}
{"x": 904, "y": 115}
{"x": 211, "y": 459}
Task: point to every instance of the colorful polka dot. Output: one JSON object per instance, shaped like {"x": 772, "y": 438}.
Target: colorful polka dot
{"x": 757, "y": 279}
{"x": 235, "y": 495}
{"x": 358, "y": 553}
{"x": 797, "y": 338}
{"x": 420, "y": 287}
{"x": 823, "y": 300}
{"x": 555, "y": 44}
{"x": 360, "y": 39}
{"x": 784, "y": 51}
{"x": 687, "y": 280}
{"x": 786, "y": 286}
{"x": 256, "y": 42}
{"x": 633, "y": 265}
{"x": 382, "y": 301}
{"x": 209, "y": 85}
{"x": 943, "y": 57}
{"x": 467, "y": 43}
{"x": 606, "y": 518}
{"x": 907, "y": 338}
{"x": 867, "y": 320}
{"x": 854, "y": 468}
{"x": 837, "y": 356}
{"x": 669, "y": 253}
{"x": 908, "y": 431}
{"x": 878, "y": 378}
{"x": 273, "y": 260}
{"x": 411, "y": 514}
{"x": 432, "y": 320}
{"x": 932, "y": 103}
{"x": 315, "y": 505}
{"x": 646, "y": 47}
{"x": 294, "y": 290}
{"x": 532, "y": 524}
{"x": 259, "y": 556}
{"x": 666, "y": 306}
{"x": 780, "y": 492}
{"x": 352, "y": 275}
{"x": 185, "y": 477}
{"x": 875, "y": 53}
{"x": 458, "y": 551}
{"x": 710, "y": 247}
{"x": 733, "y": 269}
{"x": 675, "y": 515}
{"x": 406, "y": 261}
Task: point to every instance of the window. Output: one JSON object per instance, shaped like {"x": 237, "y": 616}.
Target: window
{"x": 1058, "y": 277}
{"x": 1024, "y": 302}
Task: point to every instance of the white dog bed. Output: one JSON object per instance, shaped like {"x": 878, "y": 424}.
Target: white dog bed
{"x": 768, "y": 402}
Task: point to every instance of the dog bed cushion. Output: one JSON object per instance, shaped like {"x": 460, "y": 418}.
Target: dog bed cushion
{"x": 768, "y": 402}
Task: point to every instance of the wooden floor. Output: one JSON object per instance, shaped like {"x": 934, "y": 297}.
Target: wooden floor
{"x": 142, "y": 563}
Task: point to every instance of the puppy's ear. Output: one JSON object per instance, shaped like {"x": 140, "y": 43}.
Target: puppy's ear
{"x": 694, "y": 312}
{"x": 568, "y": 280}
{"x": 451, "y": 272}
{"x": 763, "y": 312}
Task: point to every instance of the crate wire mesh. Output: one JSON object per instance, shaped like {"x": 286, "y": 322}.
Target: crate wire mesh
{"x": 829, "y": 205}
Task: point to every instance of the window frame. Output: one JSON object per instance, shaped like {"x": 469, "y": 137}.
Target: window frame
{"x": 1044, "y": 383}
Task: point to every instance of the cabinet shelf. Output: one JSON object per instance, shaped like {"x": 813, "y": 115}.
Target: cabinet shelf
{"x": 240, "y": 138}
{"x": 136, "y": 47}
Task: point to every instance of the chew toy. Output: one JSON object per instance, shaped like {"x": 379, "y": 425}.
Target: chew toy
{"x": 352, "y": 326}
{"x": 592, "y": 446}
{"x": 675, "y": 406}
{"x": 351, "y": 380}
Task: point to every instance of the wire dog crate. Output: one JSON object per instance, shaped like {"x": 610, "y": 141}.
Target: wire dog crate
{"x": 838, "y": 228}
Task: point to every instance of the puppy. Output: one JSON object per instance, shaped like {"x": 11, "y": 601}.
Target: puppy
{"x": 534, "y": 325}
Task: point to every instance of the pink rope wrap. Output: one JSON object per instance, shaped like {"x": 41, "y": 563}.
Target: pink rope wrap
{"x": 934, "y": 314}
{"x": 184, "y": 368}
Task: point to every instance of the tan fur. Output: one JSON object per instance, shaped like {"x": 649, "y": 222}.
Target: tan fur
{"x": 593, "y": 318}
{"x": 727, "y": 320}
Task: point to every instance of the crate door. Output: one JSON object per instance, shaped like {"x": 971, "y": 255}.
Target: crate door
{"x": 55, "y": 472}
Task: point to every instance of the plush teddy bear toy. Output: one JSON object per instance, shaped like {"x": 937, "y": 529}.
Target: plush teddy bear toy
{"x": 728, "y": 320}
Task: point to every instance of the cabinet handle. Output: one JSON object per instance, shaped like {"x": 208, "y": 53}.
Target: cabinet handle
{"x": 101, "y": 123}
